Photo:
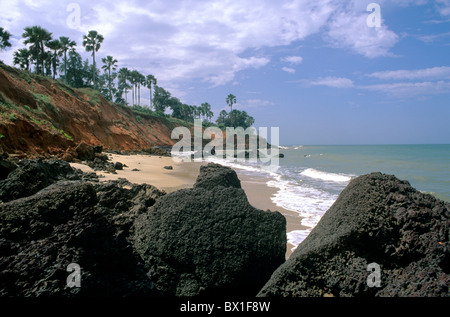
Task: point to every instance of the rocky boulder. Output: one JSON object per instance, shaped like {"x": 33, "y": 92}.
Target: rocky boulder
{"x": 213, "y": 175}
{"x": 74, "y": 222}
{"x": 377, "y": 220}
{"x": 27, "y": 177}
{"x": 210, "y": 242}
{"x": 85, "y": 152}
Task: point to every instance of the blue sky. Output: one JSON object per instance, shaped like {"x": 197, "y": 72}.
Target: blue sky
{"x": 315, "y": 69}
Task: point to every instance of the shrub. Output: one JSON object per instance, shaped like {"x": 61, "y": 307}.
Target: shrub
{"x": 139, "y": 119}
{"x": 4, "y": 101}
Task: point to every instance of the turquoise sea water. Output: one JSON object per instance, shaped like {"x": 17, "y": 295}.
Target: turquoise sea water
{"x": 426, "y": 167}
{"x": 310, "y": 178}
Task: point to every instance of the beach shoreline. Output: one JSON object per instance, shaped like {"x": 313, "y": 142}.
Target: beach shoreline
{"x": 150, "y": 169}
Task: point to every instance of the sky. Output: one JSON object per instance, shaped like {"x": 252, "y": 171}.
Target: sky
{"x": 324, "y": 71}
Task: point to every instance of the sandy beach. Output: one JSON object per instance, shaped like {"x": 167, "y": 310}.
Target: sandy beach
{"x": 146, "y": 169}
{"x": 140, "y": 169}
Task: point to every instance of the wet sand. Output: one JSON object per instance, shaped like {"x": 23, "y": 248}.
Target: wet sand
{"x": 183, "y": 175}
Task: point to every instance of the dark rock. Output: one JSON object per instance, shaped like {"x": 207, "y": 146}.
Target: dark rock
{"x": 118, "y": 166}
{"x": 209, "y": 242}
{"x": 110, "y": 169}
{"x": 74, "y": 222}
{"x": 376, "y": 219}
{"x": 98, "y": 149}
{"x": 135, "y": 170}
{"x": 85, "y": 152}
{"x": 6, "y": 167}
{"x": 168, "y": 167}
{"x": 30, "y": 176}
{"x": 213, "y": 175}
{"x": 157, "y": 150}
{"x": 126, "y": 200}
{"x": 3, "y": 155}
{"x": 101, "y": 163}
{"x": 102, "y": 157}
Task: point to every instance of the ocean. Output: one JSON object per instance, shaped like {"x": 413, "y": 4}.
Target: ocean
{"x": 309, "y": 179}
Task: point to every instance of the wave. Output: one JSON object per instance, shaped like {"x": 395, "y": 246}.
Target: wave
{"x": 313, "y": 173}
{"x": 294, "y": 147}
{"x": 296, "y": 237}
{"x": 309, "y": 202}
{"x": 309, "y": 199}
{"x": 268, "y": 170}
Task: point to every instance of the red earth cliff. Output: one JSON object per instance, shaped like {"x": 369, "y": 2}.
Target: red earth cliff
{"x": 43, "y": 117}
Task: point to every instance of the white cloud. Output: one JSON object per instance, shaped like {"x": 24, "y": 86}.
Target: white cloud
{"x": 411, "y": 89}
{"x": 204, "y": 40}
{"x": 255, "y": 104}
{"x": 292, "y": 59}
{"x": 334, "y": 82}
{"x": 289, "y": 70}
{"x": 434, "y": 37}
{"x": 351, "y": 31}
{"x": 443, "y": 7}
{"x": 442, "y": 72}
{"x": 190, "y": 39}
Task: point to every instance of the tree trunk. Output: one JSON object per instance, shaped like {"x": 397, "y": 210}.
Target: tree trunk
{"x": 151, "y": 98}
{"x": 109, "y": 85}
{"x": 94, "y": 68}
{"x": 65, "y": 67}
{"x": 42, "y": 62}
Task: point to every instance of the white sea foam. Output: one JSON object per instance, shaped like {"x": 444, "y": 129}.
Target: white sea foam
{"x": 307, "y": 199}
{"x": 270, "y": 170}
{"x": 296, "y": 237}
{"x": 182, "y": 154}
{"x": 310, "y": 203}
{"x": 304, "y": 197}
{"x": 294, "y": 147}
{"x": 332, "y": 177}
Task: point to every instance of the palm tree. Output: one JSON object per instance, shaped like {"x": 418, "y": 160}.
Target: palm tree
{"x": 124, "y": 74}
{"x": 151, "y": 80}
{"x": 206, "y": 110}
{"x": 37, "y": 36}
{"x": 141, "y": 81}
{"x": 92, "y": 42}
{"x": 66, "y": 45}
{"x": 222, "y": 117}
{"x": 110, "y": 64}
{"x": 133, "y": 78}
{"x": 231, "y": 100}
{"x": 136, "y": 79}
{"x": 47, "y": 60}
{"x": 54, "y": 45}
{"x": 4, "y": 39}
{"x": 22, "y": 58}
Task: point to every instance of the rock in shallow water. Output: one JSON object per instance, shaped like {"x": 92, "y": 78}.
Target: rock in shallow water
{"x": 376, "y": 219}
